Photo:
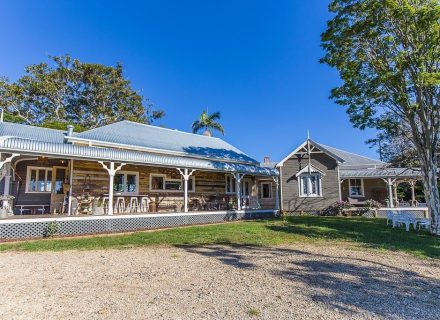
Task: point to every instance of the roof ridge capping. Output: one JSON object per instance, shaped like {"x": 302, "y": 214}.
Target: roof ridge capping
{"x": 152, "y": 126}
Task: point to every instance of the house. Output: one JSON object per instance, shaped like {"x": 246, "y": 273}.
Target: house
{"x": 127, "y": 168}
{"x": 314, "y": 176}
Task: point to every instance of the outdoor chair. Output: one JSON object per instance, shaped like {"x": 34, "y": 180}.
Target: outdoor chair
{"x": 120, "y": 204}
{"x": 390, "y": 217}
{"x": 145, "y": 204}
{"x": 105, "y": 204}
{"x": 425, "y": 223}
{"x": 405, "y": 219}
{"x": 134, "y": 204}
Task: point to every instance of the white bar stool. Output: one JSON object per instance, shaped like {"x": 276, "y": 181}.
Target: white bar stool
{"x": 120, "y": 204}
{"x": 105, "y": 204}
{"x": 145, "y": 204}
{"x": 134, "y": 204}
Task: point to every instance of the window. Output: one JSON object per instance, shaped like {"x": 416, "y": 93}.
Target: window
{"x": 159, "y": 182}
{"x": 60, "y": 178}
{"x": 230, "y": 187}
{"x": 191, "y": 184}
{"x": 266, "y": 190}
{"x": 173, "y": 184}
{"x": 126, "y": 182}
{"x": 245, "y": 188}
{"x": 310, "y": 185}
{"x": 39, "y": 179}
{"x": 356, "y": 187}
{"x": 230, "y": 184}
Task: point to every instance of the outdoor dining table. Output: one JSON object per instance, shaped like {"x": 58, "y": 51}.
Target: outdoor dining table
{"x": 32, "y": 208}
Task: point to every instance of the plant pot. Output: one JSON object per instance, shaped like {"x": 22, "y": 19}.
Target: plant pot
{"x": 152, "y": 207}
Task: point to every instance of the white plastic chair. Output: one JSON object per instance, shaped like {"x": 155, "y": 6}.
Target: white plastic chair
{"x": 405, "y": 219}
{"x": 390, "y": 217}
{"x": 425, "y": 223}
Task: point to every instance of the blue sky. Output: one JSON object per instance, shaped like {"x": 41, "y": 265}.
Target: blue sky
{"x": 254, "y": 61}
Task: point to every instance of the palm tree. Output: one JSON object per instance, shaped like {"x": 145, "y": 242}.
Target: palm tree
{"x": 209, "y": 123}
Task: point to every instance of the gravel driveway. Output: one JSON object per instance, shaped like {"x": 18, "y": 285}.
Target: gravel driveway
{"x": 219, "y": 282}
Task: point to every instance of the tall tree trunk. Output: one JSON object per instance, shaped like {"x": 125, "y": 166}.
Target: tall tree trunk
{"x": 430, "y": 186}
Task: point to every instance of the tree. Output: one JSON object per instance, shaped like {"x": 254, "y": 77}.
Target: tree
{"x": 72, "y": 92}
{"x": 208, "y": 123}
{"x": 387, "y": 53}
{"x": 396, "y": 149}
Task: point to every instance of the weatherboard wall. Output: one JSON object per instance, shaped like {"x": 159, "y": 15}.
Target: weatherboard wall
{"x": 290, "y": 184}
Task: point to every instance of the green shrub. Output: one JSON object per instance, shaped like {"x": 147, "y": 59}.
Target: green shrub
{"x": 336, "y": 208}
{"x": 51, "y": 230}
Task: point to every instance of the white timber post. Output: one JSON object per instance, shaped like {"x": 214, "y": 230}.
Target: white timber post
{"x": 238, "y": 178}
{"x": 396, "y": 200}
{"x": 186, "y": 174}
{"x": 277, "y": 194}
{"x": 412, "y": 183}
{"x": 390, "y": 192}
{"x": 69, "y": 199}
{"x": 6, "y": 187}
{"x": 111, "y": 172}
{"x": 7, "y": 175}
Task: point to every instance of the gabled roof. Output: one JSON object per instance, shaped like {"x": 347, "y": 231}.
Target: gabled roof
{"x": 156, "y": 139}
{"x": 345, "y": 158}
{"x": 218, "y": 155}
{"x": 352, "y": 159}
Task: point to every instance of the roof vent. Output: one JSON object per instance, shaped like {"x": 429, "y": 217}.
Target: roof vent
{"x": 69, "y": 131}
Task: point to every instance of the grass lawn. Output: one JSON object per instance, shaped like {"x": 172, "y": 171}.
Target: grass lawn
{"x": 364, "y": 233}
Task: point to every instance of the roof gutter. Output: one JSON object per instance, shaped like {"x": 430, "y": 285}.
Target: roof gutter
{"x": 226, "y": 168}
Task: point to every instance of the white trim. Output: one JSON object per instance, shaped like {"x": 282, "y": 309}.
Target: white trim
{"x": 281, "y": 188}
{"x": 28, "y": 178}
{"x": 129, "y": 216}
{"x": 67, "y": 156}
{"x": 339, "y": 185}
{"x": 54, "y": 178}
{"x": 313, "y": 169}
{"x": 270, "y": 190}
{"x": 314, "y": 144}
{"x": 362, "y": 188}
{"x": 232, "y": 184}
{"x": 309, "y": 187}
{"x": 164, "y": 176}
{"x": 125, "y": 173}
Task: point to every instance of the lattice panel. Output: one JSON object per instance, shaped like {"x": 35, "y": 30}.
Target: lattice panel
{"x": 419, "y": 213}
{"x": 67, "y": 227}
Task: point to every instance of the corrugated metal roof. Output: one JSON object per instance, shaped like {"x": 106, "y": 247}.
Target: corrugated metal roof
{"x": 9, "y": 129}
{"x": 134, "y": 134}
{"x": 350, "y": 159}
{"x": 28, "y": 146}
{"x": 381, "y": 173}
